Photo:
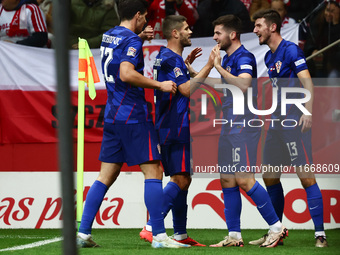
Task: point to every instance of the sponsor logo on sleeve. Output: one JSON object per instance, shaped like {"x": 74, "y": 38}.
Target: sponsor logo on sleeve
{"x": 246, "y": 67}
{"x": 177, "y": 71}
{"x": 300, "y": 62}
{"x": 131, "y": 52}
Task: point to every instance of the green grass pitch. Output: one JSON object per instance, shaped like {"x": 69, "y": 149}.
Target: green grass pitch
{"x": 126, "y": 241}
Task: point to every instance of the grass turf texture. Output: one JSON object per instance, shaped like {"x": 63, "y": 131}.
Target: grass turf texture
{"x": 126, "y": 241}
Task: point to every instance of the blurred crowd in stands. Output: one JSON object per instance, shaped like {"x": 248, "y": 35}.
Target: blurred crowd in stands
{"x": 29, "y": 22}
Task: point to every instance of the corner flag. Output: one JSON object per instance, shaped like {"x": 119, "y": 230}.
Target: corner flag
{"x": 87, "y": 74}
{"x": 87, "y": 68}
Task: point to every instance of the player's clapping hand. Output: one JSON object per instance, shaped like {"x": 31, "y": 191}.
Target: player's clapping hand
{"x": 306, "y": 122}
{"x": 195, "y": 53}
{"x": 147, "y": 34}
{"x": 168, "y": 86}
{"x": 211, "y": 58}
{"x": 217, "y": 57}
{"x": 191, "y": 70}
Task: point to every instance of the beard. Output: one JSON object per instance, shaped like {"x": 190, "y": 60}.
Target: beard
{"x": 225, "y": 45}
{"x": 263, "y": 39}
{"x": 185, "y": 41}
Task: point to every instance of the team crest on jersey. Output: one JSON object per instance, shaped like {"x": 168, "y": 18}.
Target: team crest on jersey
{"x": 278, "y": 65}
{"x": 228, "y": 69}
{"x": 131, "y": 52}
{"x": 177, "y": 71}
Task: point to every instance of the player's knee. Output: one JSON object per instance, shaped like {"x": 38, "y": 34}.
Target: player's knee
{"x": 182, "y": 180}
{"x": 228, "y": 181}
{"x": 271, "y": 181}
{"x": 245, "y": 183}
{"x": 307, "y": 182}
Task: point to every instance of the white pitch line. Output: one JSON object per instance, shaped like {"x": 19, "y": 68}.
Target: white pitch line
{"x": 32, "y": 245}
{"x": 22, "y": 237}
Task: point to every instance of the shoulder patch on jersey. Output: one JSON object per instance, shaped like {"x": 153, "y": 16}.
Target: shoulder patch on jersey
{"x": 278, "y": 65}
{"x": 246, "y": 67}
{"x": 299, "y": 62}
{"x": 177, "y": 71}
{"x": 131, "y": 52}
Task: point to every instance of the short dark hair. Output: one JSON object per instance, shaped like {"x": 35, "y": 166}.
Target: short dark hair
{"x": 230, "y": 22}
{"x": 127, "y": 9}
{"x": 170, "y": 23}
{"x": 271, "y": 17}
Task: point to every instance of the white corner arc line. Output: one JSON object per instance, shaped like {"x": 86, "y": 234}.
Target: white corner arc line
{"x": 32, "y": 245}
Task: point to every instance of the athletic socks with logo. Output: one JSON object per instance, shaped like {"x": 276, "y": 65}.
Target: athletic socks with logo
{"x": 315, "y": 205}
{"x": 153, "y": 193}
{"x": 170, "y": 191}
{"x": 179, "y": 213}
{"x": 94, "y": 199}
{"x": 261, "y": 198}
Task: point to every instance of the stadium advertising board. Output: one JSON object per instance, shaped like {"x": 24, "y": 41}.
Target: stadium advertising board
{"x": 30, "y": 181}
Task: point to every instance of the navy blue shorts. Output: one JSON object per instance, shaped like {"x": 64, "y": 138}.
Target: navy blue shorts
{"x": 288, "y": 147}
{"x": 176, "y": 158}
{"x": 134, "y": 144}
{"x": 238, "y": 152}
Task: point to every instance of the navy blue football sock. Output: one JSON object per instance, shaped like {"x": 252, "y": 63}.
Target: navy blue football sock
{"x": 153, "y": 197}
{"x": 94, "y": 199}
{"x": 315, "y": 205}
{"x": 179, "y": 213}
{"x": 233, "y": 206}
{"x": 262, "y": 200}
{"x": 277, "y": 197}
{"x": 170, "y": 192}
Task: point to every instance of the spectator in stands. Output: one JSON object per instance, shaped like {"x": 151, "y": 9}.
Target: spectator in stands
{"x": 324, "y": 30}
{"x": 46, "y": 7}
{"x": 299, "y": 9}
{"x": 257, "y": 5}
{"x": 281, "y": 7}
{"x": 22, "y": 22}
{"x": 89, "y": 19}
{"x": 159, "y": 9}
{"x": 210, "y": 10}
{"x": 247, "y": 3}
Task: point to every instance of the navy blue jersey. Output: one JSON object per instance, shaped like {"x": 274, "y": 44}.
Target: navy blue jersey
{"x": 172, "y": 111}
{"x": 126, "y": 103}
{"x": 240, "y": 61}
{"x": 283, "y": 66}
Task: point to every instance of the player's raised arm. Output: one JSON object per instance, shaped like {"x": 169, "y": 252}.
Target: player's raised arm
{"x": 191, "y": 86}
{"x": 195, "y": 53}
{"x": 243, "y": 80}
{"x": 147, "y": 34}
{"x": 130, "y": 75}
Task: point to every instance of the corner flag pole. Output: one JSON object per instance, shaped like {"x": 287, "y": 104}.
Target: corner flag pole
{"x": 87, "y": 74}
{"x": 80, "y": 150}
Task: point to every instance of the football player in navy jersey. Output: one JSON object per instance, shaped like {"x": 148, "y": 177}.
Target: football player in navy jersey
{"x": 289, "y": 144}
{"x": 172, "y": 123}
{"x": 238, "y": 142}
{"x": 129, "y": 134}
